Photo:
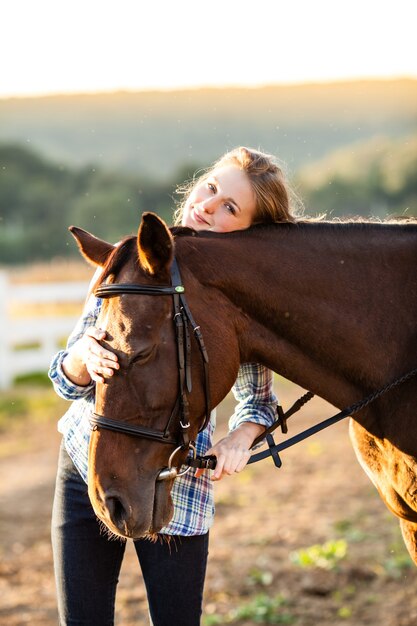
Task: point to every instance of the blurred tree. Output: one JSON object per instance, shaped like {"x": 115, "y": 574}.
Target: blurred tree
{"x": 377, "y": 178}
{"x": 40, "y": 199}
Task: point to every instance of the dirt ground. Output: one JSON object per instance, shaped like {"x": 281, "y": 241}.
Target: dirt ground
{"x": 264, "y": 516}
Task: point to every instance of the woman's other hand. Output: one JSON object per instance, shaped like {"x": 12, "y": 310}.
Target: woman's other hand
{"x": 233, "y": 451}
{"x": 87, "y": 360}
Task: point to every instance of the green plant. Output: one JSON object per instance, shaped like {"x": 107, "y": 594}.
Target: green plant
{"x": 399, "y": 560}
{"x": 261, "y": 577}
{"x": 326, "y": 556}
{"x": 212, "y": 620}
{"x": 398, "y": 563}
{"x": 344, "y": 612}
{"x": 350, "y": 530}
{"x": 263, "y": 609}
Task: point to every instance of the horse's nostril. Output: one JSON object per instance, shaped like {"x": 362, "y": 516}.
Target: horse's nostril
{"x": 117, "y": 512}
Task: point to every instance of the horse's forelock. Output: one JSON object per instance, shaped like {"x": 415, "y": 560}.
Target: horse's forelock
{"x": 115, "y": 261}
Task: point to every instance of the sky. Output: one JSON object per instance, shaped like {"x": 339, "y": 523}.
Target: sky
{"x": 58, "y": 46}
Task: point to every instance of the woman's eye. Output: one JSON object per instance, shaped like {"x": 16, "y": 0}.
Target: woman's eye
{"x": 231, "y": 209}
{"x": 212, "y": 187}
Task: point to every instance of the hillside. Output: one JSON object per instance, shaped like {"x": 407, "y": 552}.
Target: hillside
{"x": 39, "y": 198}
{"x": 151, "y": 133}
{"x": 376, "y": 177}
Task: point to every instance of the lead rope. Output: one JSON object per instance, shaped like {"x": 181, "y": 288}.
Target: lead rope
{"x": 273, "y": 450}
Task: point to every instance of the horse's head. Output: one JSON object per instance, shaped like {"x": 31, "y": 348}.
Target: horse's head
{"x": 148, "y": 391}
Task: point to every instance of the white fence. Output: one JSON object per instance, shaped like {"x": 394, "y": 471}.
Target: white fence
{"x": 44, "y": 333}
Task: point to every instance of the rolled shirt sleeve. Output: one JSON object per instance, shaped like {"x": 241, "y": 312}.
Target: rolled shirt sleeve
{"x": 254, "y": 393}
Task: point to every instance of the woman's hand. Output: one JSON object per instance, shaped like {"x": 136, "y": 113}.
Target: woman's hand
{"x": 233, "y": 451}
{"x": 87, "y": 360}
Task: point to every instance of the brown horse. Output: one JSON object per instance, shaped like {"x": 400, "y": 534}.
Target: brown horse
{"x": 330, "y": 306}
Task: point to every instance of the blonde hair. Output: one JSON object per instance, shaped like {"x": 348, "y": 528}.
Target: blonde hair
{"x": 275, "y": 200}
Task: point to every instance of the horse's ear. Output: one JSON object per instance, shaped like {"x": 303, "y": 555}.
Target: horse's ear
{"x": 96, "y": 251}
{"x": 155, "y": 244}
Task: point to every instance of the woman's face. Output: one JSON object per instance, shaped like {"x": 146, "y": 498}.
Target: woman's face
{"x": 225, "y": 201}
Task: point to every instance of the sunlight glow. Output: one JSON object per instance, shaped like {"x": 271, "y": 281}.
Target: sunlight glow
{"x": 62, "y": 47}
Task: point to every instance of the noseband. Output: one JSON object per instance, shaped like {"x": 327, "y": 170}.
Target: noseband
{"x": 183, "y": 319}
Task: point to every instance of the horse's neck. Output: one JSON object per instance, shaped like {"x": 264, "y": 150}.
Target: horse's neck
{"x": 310, "y": 303}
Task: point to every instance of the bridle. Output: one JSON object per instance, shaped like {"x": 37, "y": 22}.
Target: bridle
{"x": 179, "y": 419}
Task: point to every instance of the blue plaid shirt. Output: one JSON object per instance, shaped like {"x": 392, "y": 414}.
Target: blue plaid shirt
{"x": 192, "y": 497}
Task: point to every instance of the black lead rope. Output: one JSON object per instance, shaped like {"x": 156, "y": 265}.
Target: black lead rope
{"x": 273, "y": 449}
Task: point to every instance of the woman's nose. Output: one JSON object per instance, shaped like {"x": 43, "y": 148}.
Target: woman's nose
{"x": 209, "y": 205}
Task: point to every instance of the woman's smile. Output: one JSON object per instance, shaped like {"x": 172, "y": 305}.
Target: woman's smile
{"x": 222, "y": 202}
{"x": 198, "y": 218}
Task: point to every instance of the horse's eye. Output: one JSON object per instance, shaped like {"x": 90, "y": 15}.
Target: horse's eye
{"x": 142, "y": 357}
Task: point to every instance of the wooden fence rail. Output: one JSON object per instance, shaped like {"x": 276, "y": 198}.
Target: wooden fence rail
{"x": 41, "y": 335}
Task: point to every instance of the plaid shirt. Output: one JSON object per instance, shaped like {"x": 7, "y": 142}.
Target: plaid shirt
{"x": 192, "y": 497}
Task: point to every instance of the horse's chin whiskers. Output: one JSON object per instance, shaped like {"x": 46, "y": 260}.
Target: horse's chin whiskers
{"x": 111, "y": 536}
{"x": 153, "y": 537}
{"x": 149, "y": 536}
{"x": 162, "y": 538}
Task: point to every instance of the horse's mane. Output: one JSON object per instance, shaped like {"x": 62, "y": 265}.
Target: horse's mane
{"x": 123, "y": 250}
{"x": 399, "y": 219}
{"x": 359, "y": 223}
{"x": 354, "y": 223}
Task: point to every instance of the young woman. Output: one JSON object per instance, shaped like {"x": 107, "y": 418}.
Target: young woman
{"x": 244, "y": 187}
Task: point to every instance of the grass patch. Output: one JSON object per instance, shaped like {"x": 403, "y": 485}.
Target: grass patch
{"x": 350, "y": 531}
{"x": 325, "y": 556}
{"x": 399, "y": 562}
{"x": 264, "y": 609}
{"x": 28, "y": 404}
{"x": 33, "y": 345}
{"x": 39, "y": 379}
{"x": 260, "y": 577}
{"x": 261, "y": 609}
{"x": 22, "y": 410}
{"x": 345, "y": 612}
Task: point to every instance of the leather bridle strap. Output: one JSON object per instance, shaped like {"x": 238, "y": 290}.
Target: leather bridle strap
{"x": 98, "y": 421}
{"x": 118, "y": 289}
{"x": 182, "y": 317}
{"x": 183, "y": 360}
{"x": 187, "y": 315}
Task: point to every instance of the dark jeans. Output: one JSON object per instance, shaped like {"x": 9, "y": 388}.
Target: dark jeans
{"x": 87, "y": 563}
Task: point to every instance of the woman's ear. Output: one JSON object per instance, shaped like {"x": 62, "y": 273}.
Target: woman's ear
{"x": 155, "y": 244}
{"x": 95, "y": 251}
